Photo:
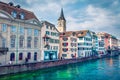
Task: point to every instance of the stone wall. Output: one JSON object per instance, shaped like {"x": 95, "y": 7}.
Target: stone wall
{"x": 11, "y": 69}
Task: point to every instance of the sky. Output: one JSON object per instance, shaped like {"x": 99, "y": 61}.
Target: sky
{"x": 94, "y": 15}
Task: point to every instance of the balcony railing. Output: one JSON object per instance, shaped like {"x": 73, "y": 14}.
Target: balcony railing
{"x": 3, "y": 49}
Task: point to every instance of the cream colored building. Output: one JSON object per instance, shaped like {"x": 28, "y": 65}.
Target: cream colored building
{"x": 68, "y": 45}
{"x": 113, "y": 42}
{"x": 19, "y": 32}
{"x": 50, "y": 41}
{"x": 101, "y": 44}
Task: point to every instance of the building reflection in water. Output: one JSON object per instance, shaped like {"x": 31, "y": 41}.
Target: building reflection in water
{"x": 111, "y": 62}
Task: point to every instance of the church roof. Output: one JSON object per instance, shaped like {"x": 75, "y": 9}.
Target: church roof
{"x": 61, "y": 15}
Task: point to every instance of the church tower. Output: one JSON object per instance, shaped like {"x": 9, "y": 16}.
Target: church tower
{"x": 61, "y": 22}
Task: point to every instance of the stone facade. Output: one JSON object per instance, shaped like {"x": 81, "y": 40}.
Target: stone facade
{"x": 21, "y": 35}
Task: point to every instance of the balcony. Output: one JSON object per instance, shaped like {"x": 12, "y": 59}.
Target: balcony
{"x": 3, "y": 50}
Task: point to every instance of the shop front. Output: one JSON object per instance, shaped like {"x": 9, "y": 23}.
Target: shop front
{"x": 50, "y": 55}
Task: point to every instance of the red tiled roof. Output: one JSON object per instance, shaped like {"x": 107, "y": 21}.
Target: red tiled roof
{"x": 81, "y": 33}
{"x": 7, "y": 8}
{"x": 67, "y": 34}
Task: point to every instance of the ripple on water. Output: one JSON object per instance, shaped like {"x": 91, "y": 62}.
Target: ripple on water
{"x": 102, "y": 69}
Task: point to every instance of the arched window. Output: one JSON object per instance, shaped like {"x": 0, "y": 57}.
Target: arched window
{"x": 20, "y": 56}
{"x": 35, "y": 56}
{"x": 21, "y": 40}
{"x": 12, "y": 57}
{"x": 29, "y": 55}
{"x": 13, "y": 41}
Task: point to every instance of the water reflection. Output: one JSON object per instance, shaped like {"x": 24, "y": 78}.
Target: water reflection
{"x": 111, "y": 62}
{"x": 102, "y": 69}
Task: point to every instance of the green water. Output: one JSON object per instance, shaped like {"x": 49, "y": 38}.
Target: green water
{"x": 102, "y": 69}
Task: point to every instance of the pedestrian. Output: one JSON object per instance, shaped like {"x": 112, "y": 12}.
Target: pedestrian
{"x": 61, "y": 58}
{"x": 26, "y": 60}
{"x": 10, "y": 62}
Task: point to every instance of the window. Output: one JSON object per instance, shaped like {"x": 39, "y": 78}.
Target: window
{"x": 20, "y": 56}
{"x": 3, "y": 42}
{"x": 36, "y": 32}
{"x": 57, "y": 34}
{"x": 51, "y": 27}
{"x": 64, "y": 55}
{"x": 65, "y": 49}
{"x": 47, "y": 33}
{"x": 47, "y": 27}
{"x": 35, "y": 56}
{"x": 29, "y": 55}
{"x": 21, "y": 40}
{"x": 4, "y": 27}
{"x": 51, "y": 33}
{"x": 22, "y": 15}
{"x": 65, "y": 44}
{"x": 80, "y": 38}
{"x": 29, "y": 39}
{"x": 14, "y": 14}
{"x": 65, "y": 39}
{"x": 29, "y": 31}
{"x": 12, "y": 57}
{"x": 13, "y": 41}
{"x": 35, "y": 42}
{"x": 21, "y": 31}
{"x": 72, "y": 49}
{"x": 13, "y": 29}
{"x": 73, "y": 33}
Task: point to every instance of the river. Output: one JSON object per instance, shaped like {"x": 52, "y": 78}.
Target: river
{"x": 101, "y": 69}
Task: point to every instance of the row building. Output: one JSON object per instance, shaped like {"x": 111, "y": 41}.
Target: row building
{"x": 23, "y": 38}
{"x": 20, "y": 39}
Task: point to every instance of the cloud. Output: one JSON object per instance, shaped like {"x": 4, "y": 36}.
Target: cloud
{"x": 95, "y": 15}
{"x": 96, "y": 19}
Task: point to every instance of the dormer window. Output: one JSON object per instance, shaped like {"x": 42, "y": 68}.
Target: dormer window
{"x": 14, "y": 14}
{"x": 22, "y": 15}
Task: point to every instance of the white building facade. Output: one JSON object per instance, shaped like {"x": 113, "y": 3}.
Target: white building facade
{"x": 84, "y": 43}
{"x": 101, "y": 44}
{"x": 50, "y": 41}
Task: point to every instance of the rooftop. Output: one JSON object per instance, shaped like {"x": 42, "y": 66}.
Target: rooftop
{"x": 9, "y": 8}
